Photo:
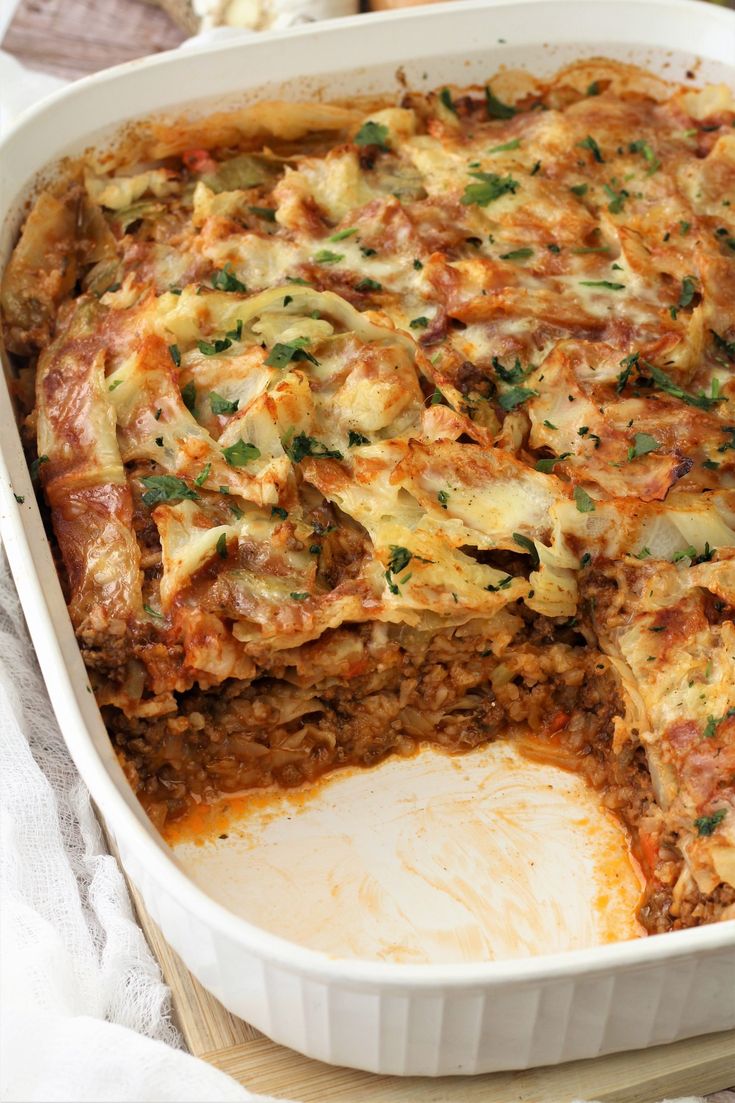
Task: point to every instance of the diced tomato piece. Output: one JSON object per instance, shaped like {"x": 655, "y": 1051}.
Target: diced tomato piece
{"x": 199, "y": 160}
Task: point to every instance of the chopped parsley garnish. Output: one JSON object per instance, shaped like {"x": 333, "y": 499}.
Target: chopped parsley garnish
{"x": 518, "y": 254}
{"x": 315, "y": 549}
{"x": 728, "y": 347}
{"x": 438, "y": 399}
{"x": 502, "y": 585}
{"x": 240, "y": 453}
{"x": 221, "y": 545}
{"x": 617, "y": 198}
{"x": 213, "y": 348}
{"x": 419, "y": 323}
{"x": 590, "y": 144}
{"x": 367, "y": 252}
{"x": 684, "y": 228}
{"x": 326, "y": 256}
{"x": 594, "y": 88}
{"x": 527, "y": 545}
{"x": 547, "y": 465}
{"x": 303, "y": 445}
{"x": 583, "y": 501}
{"x": 299, "y": 595}
{"x": 666, "y": 383}
{"x": 417, "y": 264}
{"x": 608, "y": 284}
{"x": 706, "y": 825}
{"x": 399, "y": 558}
{"x": 36, "y": 465}
{"x": 446, "y": 98}
{"x": 152, "y": 612}
{"x": 495, "y": 108}
{"x": 158, "y": 413}
{"x": 509, "y": 375}
{"x": 580, "y": 189}
{"x": 643, "y": 147}
{"x": 203, "y": 475}
{"x": 298, "y": 280}
{"x": 688, "y": 291}
{"x": 585, "y": 560}
{"x": 115, "y": 384}
{"x": 643, "y": 443}
{"x": 189, "y": 396}
{"x": 237, "y": 511}
{"x": 166, "y": 488}
{"x": 711, "y": 465}
{"x": 644, "y": 553}
{"x": 20, "y": 498}
{"x": 688, "y": 553}
{"x": 506, "y": 146}
{"x": 553, "y": 248}
{"x": 236, "y": 333}
{"x": 550, "y": 425}
{"x": 267, "y": 213}
{"x": 342, "y": 234}
{"x": 373, "y": 134}
{"x": 279, "y": 511}
{"x": 175, "y": 354}
{"x": 159, "y": 442}
{"x": 222, "y": 405}
{"x": 442, "y": 498}
{"x": 515, "y": 396}
{"x": 282, "y": 354}
{"x": 536, "y": 168}
{"x": 226, "y": 280}
{"x": 368, "y": 285}
{"x": 355, "y": 439}
{"x": 490, "y": 187}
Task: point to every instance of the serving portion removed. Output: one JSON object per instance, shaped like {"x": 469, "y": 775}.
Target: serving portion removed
{"x": 363, "y": 426}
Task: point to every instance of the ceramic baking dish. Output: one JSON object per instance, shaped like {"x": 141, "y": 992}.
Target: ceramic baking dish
{"x": 389, "y": 1018}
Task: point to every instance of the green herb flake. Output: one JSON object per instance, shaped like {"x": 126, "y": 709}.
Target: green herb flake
{"x": 222, "y": 405}
{"x": 299, "y": 595}
{"x": 279, "y": 511}
{"x": 583, "y": 501}
{"x": 419, "y": 323}
{"x": 175, "y": 354}
{"x": 495, "y": 108}
{"x": 417, "y": 264}
{"x": 225, "y": 280}
{"x": 643, "y": 443}
{"x": 594, "y": 88}
{"x": 213, "y": 348}
{"x": 446, "y": 98}
{"x": 688, "y": 290}
{"x": 579, "y": 189}
{"x": 166, "y": 488}
{"x": 368, "y": 285}
{"x": 490, "y": 187}
{"x": 240, "y": 453}
{"x": 20, "y": 498}
{"x": 706, "y": 825}
{"x": 528, "y": 546}
{"x": 506, "y": 146}
{"x": 684, "y": 228}
{"x": 203, "y": 475}
{"x": 115, "y": 384}
{"x": 303, "y": 445}
{"x": 152, "y": 612}
{"x": 536, "y": 168}
{"x": 442, "y": 498}
{"x": 517, "y": 254}
{"x": 550, "y": 425}
{"x": 607, "y": 284}
{"x": 373, "y": 134}
{"x": 617, "y": 198}
{"x": 643, "y": 147}
{"x": 221, "y": 545}
{"x": 189, "y": 396}
{"x": 508, "y": 375}
{"x": 644, "y": 553}
{"x": 282, "y": 354}
{"x": 590, "y": 144}
{"x": 36, "y": 465}
{"x": 342, "y": 234}
{"x": 355, "y": 439}
{"x": 326, "y": 256}
{"x": 666, "y": 383}
{"x": 515, "y": 396}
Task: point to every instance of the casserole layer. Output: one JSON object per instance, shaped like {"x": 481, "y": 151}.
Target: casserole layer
{"x": 366, "y": 425}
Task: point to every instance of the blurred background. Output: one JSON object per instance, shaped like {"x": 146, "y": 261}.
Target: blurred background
{"x": 69, "y": 38}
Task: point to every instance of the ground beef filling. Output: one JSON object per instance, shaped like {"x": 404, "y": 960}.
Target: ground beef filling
{"x": 552, "y": 691}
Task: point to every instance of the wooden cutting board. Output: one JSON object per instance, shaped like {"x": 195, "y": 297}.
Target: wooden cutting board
{"x": 694, "y": 1067}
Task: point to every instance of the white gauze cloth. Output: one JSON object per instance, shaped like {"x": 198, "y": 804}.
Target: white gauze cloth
{"x": 84, "y": 1014}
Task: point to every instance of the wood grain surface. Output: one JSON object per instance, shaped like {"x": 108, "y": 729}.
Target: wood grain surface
{"x": 71, "y": 38}
{"x": 696, "y": 1066}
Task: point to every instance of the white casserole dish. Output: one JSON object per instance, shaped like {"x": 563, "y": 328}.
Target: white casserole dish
{"x": 387, "y": 1018}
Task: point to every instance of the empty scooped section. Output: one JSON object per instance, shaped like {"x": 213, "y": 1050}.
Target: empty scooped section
{"x": 432, "y": 859}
